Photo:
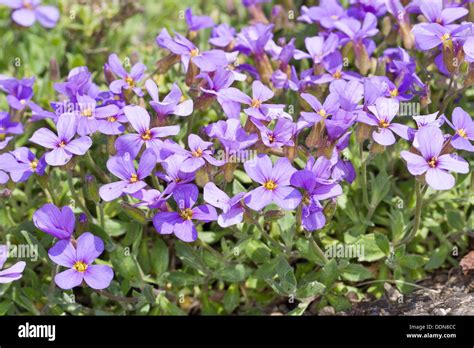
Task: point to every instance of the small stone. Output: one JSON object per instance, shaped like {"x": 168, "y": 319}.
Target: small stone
{"x": 439, "y": 311}
{"x": 327, "y": 311}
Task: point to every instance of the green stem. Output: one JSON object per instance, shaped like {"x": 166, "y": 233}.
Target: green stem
{"x": 419, "y": 204}
{"x": 75, "y": 196}
{"x": 316, "y": 247}
{"x": 363, "y": 182}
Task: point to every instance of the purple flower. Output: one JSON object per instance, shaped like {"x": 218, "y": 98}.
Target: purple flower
{"x": 318, "y": 48}
{"x": 21, "y": 164}
{"x": 333, "y": 64}
{"x": 196, "y": 23}
{"x": 350, "y": 93}
{"x": 275, "y": 184}
{"x": 180, "y": 222}
{"x": 232, "y": 209}
{"x": 464, "y": 127}
{"x": 79, "y": 260}
{"x": 127, "y": 80}
{"x": 222, "y": 35}
{"x": 281, "y": 135}
{"x": 88, "y": 114}
{"x": 188, "y": 52}
{"x": 111, "y": 125}
{"x": 330, "y": 106}
{"x": 199, "y": 153}
{"x": 436, "y": 166}
{"x": 57, "y": 222}
{"x": 26, "y": 12}
{"x": 253, "y": 39}
{"x": 8, "y": 127}
{"x": 131, "y": 179}
{"x": 172, "y": 173}
{"x": 3, "y": 176}
{"x": 12, "y": 273}
{"x": 382, "y": 115}
{"x": 434, "y": 12}
{"x": 317, "y": 185}
{"x": 218, "y": 86}
{"x": 231, "y": 135}
{"x": 63, "y": 145}
{"x": 79, "y": 82}
{"x": 19, "y": 92}
{"x": 171, "y": 104}
{"x": 140, "y": 121}
{"x": 260, "y": 94}
{"x": 327, "y": 13}
{"x": 431, "y": 35}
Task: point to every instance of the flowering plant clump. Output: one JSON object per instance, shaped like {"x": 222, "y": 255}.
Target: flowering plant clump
{"x": 215, "y": 160}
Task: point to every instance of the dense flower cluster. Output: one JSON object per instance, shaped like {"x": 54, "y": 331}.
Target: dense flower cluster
{"x": 337, "y": 101}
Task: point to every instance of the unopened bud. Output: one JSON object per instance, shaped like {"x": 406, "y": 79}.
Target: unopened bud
{"x": 92, "y": 191}
{"x": 273, "y": 215}
{"x": 54, "y": 70}
{"x": 135, "y": 213}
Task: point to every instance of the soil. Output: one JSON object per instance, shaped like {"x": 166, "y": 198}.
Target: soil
{"x": 446, "y": 293}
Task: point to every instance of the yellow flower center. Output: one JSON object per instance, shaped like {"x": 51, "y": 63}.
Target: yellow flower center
{"x": 337, "y": 75}
{"x": 62, "y": 143}
{"x": 80, "y": 266}
{"x": 445, "y": 37}
{"x": 270, "y": 185}
{"x": 194, "y": 52}
{"x": 256, "y": 103}
{"x": 23, "y": 102}
{"x": 187, "y": 214}
{"x": 462, "y": 133}
{"x": 87, "y": 112}
{"x": 27, "y": 5}
{"x": 271, "y": 138}
{"x": 130, "y": 81}
{"x": 383, "y": 124}
{"x": 394, "y": 92}
{"x": 134, "y": 178}
{"x": 322, "y": 113}
{"x": 34, "y": 164}
{"x": 432, "y": 162}
{"x": 197, "y": 152}
{"x": 146, "y": 135}
{"x": 334, "y": 17}
{"x": 112, "y": 119}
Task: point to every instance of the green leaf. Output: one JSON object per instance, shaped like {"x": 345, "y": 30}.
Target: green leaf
{"x": 159, "y": 257}
{"x": 382, "y": 242}
{"x": 124, "y": 263}
{"x": 412, "y": 262}
{"x": 356, "y": 273}
{"x": 330, "y": 273}
{"x": 438, "y": 257}
{"x": 257, "y": 251}
{"x": 455, "y": 220}
{"x": 310, "y": 289}
{"x": 189, "y": 256}
{"x": 232, "y": 298}
{"x": 233, "y": 274}
{"x": 369, "y": 250}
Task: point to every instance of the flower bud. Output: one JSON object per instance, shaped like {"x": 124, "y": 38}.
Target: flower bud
{"x": 363, "y": 132}
{"x": 376, "y": 148}
{"x": 54, "y": 70}
{"x": 92, "y": 191}
{"x": 202, "y": 177}
{"x": 135, "y": 213}
{"x": 264, "y": 68}
{"x": 164, "y": 64}
{"x": 229, "y": 169}
{"x": 273, "y": 215}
